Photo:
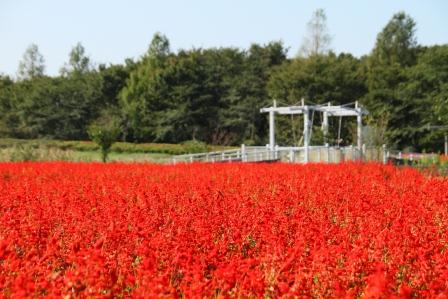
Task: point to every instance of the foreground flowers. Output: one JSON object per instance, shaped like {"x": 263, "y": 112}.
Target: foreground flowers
{"x": 238, "y": 230}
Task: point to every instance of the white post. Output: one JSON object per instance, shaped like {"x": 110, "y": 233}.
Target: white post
{"x": 243, "y": 153}
{"x": 325, "y": 125}
{"x": 306, "y": 129}
{"x": 327, "y": 146}
{"x": 359, "y": 129}
{"x": 272, "y": 128}
{"x": 385, "y": 154}
{"x": 291, "y": 156}
{"x": 363, "y": 152}
{"x": 352, "y": 153}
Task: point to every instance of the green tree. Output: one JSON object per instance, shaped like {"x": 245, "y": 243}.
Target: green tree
{"x": 317, "y": 41}
{"x": 426, "y": 93}
{"x": 145, "y": 91}
{"x": 104, "y": 131}
{"x": 396, "y": 43}
{"x": 32, "y": 64}
{"x": 78, "y": 101}
{"x": 394, "y": 52}
{"x": 34, "y": 111}
{"x": 192, "y": 86}
{"x": 209, "y": 95}
{"x": 114, "y": 78}
{"x": 78, "y": 63}
{"x": 59, "y": 107}
{"x": 247, "y": 92}
{"x": 8, "y": 112}
{"x": 159, "y": 48}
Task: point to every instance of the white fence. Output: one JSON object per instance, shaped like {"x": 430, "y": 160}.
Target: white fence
{"x": 313, "y": 154}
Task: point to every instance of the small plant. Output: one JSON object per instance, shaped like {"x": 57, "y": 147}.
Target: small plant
{"x": 104, "y": 132}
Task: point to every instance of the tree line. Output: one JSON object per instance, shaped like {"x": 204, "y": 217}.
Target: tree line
{"x": 214, "y": 95}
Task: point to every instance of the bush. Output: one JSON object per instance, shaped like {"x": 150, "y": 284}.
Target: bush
{"x": 26, "y": 152}
{"x": 119, "y": 147}
{"x": 104, "y": 132}
{"x": 194, "y": 146}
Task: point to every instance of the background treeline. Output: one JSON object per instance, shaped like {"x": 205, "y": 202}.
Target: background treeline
{"x": 214, "y": 95}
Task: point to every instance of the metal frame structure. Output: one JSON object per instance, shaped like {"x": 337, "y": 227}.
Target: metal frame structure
{"x": 327, "y": 110}
{"x": 294, "y": 154}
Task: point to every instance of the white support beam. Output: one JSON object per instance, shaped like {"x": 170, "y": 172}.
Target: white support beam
{"x": 284, "y": 110}
{"x": 359, "y": 127}
{"x": 306, "y": 134}
{"x": 359, "y": 131}
{"x": 342, "y": 113}
{"x": 331, "y": 110}
{"x": 325, "y": 125}
{"x": 271, "y": 131}
{"x": 291, "y": 112}
{"x": 272, "y": 127}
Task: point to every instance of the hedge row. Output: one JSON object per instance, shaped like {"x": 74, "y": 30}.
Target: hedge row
{"x": 119, "y": 147}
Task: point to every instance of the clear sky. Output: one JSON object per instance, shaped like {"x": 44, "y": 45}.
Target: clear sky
{"x": 112, "y": 30}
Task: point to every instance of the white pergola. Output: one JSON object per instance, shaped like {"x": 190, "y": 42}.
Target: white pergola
{"x": 327, "y": 111}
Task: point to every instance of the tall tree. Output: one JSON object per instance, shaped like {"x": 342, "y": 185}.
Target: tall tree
{"x": 426, "y": 92}
{"x": 317, "y": 41}
{"x": 114, "y": 78}
{"x": 248, "y": 92}
{"x": 159, "y": 47}
{"x": 145, "y": 91}
{"x": 32, "y": 64}
{"x": 60, "y": 107}
{"x": 79, "y": 62}
{"x": 8, "y": 111}
{"x": 396, "y": 43}
{"x": 395, "y": 51}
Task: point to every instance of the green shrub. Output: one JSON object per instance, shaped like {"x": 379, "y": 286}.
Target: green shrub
{"x": 194, "y": 146}
{"x": 27, "y": 152}
{"x": 119, "y": 147}
{"x": 104, "y": 132}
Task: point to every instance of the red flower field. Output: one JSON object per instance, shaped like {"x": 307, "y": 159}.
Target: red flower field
{"x": 222, "y": 230}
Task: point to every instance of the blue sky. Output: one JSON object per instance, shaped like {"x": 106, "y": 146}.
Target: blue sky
{"x": 113, "y": 30}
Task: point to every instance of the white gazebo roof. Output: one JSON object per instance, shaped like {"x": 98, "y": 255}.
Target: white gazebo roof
{"x": 340, "y": 110}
